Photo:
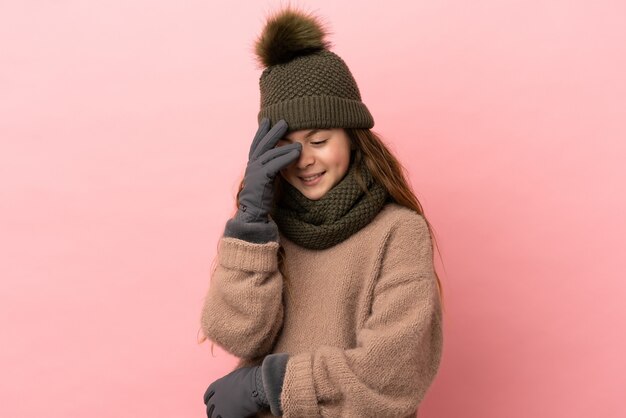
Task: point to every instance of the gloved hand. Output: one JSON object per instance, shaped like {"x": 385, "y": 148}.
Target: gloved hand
{"x": 239, "y": 394}
{"x": 264, "y": 162}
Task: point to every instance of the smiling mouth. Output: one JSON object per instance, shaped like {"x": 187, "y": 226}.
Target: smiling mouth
{"x": 313, "y": 177}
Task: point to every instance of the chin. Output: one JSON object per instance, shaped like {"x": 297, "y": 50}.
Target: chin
{"x": 310, "y": 196}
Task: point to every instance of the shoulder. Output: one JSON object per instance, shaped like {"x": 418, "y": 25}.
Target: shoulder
{"x": 406, "y": 248}
{"x": 402, "y": 230}
{"x": 397, "y": 219}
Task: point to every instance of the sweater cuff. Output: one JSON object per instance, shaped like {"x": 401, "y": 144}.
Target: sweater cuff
{"x": 298, "y": 398}
{"x": 273, "y": 369}
{"x": 257, "y": 232}
{"x": 236, "y": 254}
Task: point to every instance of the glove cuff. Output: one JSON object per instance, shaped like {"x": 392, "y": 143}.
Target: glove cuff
{"x": 255, "y": 232}
{"x": 273, "y": 370}
{"x": 260, "y": 394}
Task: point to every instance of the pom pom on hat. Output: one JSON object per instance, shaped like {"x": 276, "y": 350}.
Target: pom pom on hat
{"x": 304, "y": 82}
{"x": 287, "y": 34}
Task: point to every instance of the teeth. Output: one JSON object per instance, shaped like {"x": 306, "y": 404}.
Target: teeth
{"x": 311, "y": 178}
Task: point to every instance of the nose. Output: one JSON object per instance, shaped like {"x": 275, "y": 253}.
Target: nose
{"x": 306, "y": 158}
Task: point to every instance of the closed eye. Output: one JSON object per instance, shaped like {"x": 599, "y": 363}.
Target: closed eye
{"x": 319, "y": 142}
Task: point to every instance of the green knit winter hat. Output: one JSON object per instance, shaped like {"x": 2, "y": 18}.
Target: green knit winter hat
{"x": 303, "y": 81}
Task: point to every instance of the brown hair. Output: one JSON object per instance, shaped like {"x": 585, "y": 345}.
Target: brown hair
{"x": 368, "y": 146}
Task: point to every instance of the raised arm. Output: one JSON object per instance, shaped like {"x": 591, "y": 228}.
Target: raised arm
{"x": 243, "y": 309}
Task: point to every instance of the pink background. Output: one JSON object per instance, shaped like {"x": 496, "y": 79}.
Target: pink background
{"x": 124, "y": 129}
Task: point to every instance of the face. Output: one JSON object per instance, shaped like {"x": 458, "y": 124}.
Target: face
{"x": 325, "y": 151}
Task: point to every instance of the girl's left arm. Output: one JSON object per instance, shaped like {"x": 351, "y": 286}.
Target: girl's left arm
{"x": 398, "y": 349}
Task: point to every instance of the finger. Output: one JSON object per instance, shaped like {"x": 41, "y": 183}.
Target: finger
{"x": 264, "y": 126}
{"x": 269, "y": 141}
{"x": 282, "y": 161}
{"x": 275, "y": 152}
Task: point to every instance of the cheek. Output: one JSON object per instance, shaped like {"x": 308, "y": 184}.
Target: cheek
{"x": 340, "y": 159}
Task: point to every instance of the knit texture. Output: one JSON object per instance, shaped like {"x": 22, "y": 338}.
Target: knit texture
{"x": 361, "y": 321}
{"x": 322, "y": 223}
{"x": 316, "y": 90}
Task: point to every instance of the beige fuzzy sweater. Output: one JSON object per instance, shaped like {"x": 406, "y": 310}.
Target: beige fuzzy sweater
{"x": 361, "y": 320}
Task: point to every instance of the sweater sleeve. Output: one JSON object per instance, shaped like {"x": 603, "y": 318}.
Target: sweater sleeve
{"x": 243, "y": 308}
{"x": 398, "y": 348}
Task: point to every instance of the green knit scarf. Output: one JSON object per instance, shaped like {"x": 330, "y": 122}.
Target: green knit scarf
{"x": 342, "y": 211}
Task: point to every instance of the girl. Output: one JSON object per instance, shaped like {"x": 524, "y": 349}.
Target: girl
{"x": 325, "y": 286}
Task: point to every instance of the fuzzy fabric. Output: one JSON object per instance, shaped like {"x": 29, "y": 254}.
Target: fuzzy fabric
{"x": 342, "y": 211}
{"x": 288, "y": 34}
{"x": 303, "y": 81}
{"x": 360, "y": 322}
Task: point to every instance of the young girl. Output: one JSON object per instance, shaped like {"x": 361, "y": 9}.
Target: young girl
{"x": 325, "y": 286}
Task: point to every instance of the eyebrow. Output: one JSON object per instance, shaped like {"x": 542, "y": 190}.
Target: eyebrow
{"x": 307, "y": 136}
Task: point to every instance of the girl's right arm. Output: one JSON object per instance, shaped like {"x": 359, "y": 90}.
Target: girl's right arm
{"x": 243, "y": 309}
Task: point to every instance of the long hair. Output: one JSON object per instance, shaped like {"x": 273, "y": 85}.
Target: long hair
{"x": 391, "y": 174}
{"x": 385, "y": 168}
